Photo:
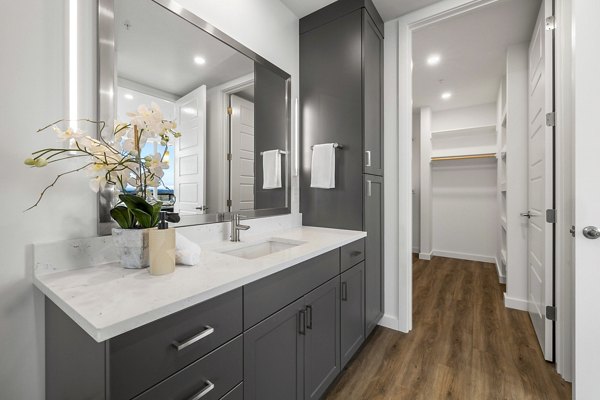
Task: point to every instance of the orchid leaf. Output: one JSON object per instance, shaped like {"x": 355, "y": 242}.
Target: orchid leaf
{"x": 143, "y": 218}
{"x": 123, "y": 216}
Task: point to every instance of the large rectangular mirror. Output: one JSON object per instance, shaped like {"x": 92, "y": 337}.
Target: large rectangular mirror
{"x": 231, "y": 106}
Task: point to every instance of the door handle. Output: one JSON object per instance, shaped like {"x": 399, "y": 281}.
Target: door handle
{"x": 369, "y": 188}
{"x": 344, "y": 291}
{"x": 526, "y": 214}
{"x": 368, "y": 154}
{"x": 308, "y": 317}
{"x": 591, "y": 232}
{"x": 302, "y": 322}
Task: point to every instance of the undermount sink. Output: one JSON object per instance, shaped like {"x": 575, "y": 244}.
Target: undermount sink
{"x": 261, "y": 249}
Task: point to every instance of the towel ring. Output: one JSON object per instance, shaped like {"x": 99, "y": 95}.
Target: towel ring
{"x": 335, "y": 146}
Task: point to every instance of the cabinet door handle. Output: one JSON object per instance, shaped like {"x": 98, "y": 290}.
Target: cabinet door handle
{"x": 369, "y": 188}
{"x": 302, "y": 322}
{"x": 208, "y": 330}
{"x": 368, "y": 154}
{"x": 344, "y": 291}
{"x": 207, "y": 388}
{"x": 355, "y": 253}
{"x": 309, "y": 317}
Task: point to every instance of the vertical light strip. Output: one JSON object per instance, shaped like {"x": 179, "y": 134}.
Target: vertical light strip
{"x": 296, "y": 136}
{"x": 73, "y": 61}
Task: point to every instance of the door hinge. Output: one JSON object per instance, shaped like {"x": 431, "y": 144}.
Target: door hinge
{"x": 229, "y": 203}
{"x": 572, "y": 230}
{"x": 229, "y": 156}
{"x": 550, "y": 23}
{"x": 551, "y": 119}
{"x": 551, "y": 313}
{"x": 229, "y": 110}
{"x": 551, "y": 216}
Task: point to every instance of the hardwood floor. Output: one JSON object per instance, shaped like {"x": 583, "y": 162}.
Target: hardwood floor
{"x": 464, "y": 345}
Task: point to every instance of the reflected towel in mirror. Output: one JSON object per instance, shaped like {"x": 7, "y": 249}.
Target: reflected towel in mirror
{"x": 271, "y": 169}
{"x": 323, "y": 166}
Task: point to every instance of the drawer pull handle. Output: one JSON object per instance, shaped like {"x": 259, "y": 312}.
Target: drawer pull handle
{"x": 208, "y": 330}
{"x": 209, "y": 386}
{"x": 344, "y": 291}
{"x": 355, "y": 253}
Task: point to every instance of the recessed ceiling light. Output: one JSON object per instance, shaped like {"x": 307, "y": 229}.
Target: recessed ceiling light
{"x": 128, "y": 96}
{"x": 199, "y": 60}
{"x": 446, "y": 95}
{"x": 434, "y": 59}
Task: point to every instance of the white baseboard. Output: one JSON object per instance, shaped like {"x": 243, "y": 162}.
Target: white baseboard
{"x": 424, "y": 256}
{"x": 517, "y": 304}
{"x": 390, "y": 321}
{"x": 501, "y": 277}
{"x": 464, "y": 256}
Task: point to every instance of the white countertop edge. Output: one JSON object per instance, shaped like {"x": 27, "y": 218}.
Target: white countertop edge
{"x": 101, "y": 334}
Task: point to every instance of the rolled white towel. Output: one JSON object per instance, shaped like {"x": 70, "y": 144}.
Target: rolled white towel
{"x": 186, "y": 252}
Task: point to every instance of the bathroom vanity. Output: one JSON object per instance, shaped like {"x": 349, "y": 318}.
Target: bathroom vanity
{"x": 274, "y": 318}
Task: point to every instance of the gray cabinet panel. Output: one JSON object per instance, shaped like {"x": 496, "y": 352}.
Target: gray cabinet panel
{"x": 351, "y": 254}
{"x": 352, "y": 312}
{"x": 274, "y": 356}
{"x": 265, "y": 296}
{"x": 146, "y": 355}
{"x": 331, "y": 108}
{"x": 222, "y": 368}
{"x": 373, "y": 96}
{"x": 322, "y": 342}
{"x": 236, "y": 394}
{"x": 374, "y": 251}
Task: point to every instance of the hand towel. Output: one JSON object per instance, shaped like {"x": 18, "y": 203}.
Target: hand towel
{"x": 186, "y": 251}
{"x": 271, "y": 169}
{"x": 323, "y": 166}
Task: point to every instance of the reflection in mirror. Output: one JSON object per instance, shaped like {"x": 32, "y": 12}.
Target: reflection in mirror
{"x": 232, "y": 111}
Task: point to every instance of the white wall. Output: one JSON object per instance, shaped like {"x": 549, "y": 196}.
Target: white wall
{"x": 463, "y": 195}
{"x": 33, "y": 93}
{"x": 416, "y": 183}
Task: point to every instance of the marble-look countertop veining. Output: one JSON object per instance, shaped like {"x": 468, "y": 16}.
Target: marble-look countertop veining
{"x": 107, "y": 300}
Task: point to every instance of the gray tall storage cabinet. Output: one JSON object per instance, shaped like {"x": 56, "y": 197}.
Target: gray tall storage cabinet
{"x": 341, "y": 72}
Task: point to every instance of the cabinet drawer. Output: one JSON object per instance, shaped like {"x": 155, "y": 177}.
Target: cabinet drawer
{"x": 215, "y": 374}
{"x": 146, "y": 355}
{"x": 351, "y": 254}
{"x": 235, "y": 394}
{"x": 268, "y": 295}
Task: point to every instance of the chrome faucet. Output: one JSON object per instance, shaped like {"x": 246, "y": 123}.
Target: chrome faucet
{"x": 236, "y": 227}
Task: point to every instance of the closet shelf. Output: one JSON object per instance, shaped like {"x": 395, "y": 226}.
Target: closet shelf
{"x": 462, "y": 131}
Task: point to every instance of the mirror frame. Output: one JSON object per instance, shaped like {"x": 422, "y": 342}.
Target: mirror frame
{"x": 106, "y": 96}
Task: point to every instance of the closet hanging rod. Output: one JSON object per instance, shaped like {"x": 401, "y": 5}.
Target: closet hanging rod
{"x": 335, "y": 146}
{"x": 280, "y": 152}
{"x": 466, "y": 157}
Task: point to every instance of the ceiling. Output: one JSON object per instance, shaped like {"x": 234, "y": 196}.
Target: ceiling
{"x": 389, "y": 9}
{"x": 472, "y": 48}
{"x": 156, "y": 48}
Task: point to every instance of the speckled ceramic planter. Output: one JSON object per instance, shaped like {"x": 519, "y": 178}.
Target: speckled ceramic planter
{"x": 132, "y": 245}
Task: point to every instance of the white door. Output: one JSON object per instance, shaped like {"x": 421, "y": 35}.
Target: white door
{"x": 587, "y": 198}
{"x": 242, "y": 154}
{"x": 541, "y": 182}
{"x": 190, "y": 152}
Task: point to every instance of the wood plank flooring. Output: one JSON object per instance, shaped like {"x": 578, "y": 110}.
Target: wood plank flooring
{"x": 464, "y": 345}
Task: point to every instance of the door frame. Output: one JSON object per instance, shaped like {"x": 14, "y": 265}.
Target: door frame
{"x": 398, "y": 130}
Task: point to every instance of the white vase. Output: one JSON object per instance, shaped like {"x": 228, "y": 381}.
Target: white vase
{"x": 133, "y": 248}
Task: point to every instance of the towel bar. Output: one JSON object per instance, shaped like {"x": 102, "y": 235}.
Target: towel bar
{"x": 280, "y": 152}
{"x": 335, "y": 146}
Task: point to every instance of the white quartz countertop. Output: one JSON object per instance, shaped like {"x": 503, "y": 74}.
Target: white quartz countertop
{"x": 108, "y": 300}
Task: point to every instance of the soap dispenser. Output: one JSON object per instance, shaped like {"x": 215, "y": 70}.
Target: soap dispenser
{"x": 162, "y": 248}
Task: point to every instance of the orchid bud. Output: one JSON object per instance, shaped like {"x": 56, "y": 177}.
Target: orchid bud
{"x": 29, "y": 161}
{"x": 40, "y": 162}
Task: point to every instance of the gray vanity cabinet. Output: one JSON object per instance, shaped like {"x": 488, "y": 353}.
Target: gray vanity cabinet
{"x": 373, "y": 220}
{"x": 341, "y": 88}
{"x": 274, "y": 356}
{"x": 322, "y": 339}
{"x": 352, "y": 312}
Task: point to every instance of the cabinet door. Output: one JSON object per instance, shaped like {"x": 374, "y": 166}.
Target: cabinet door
{"x": 322, "y": 352}
{"x": 373, "y": 224}
{"x": 373, "y": 96}
{"x": 274, "y": 356}
{"x": 352, "y": 311}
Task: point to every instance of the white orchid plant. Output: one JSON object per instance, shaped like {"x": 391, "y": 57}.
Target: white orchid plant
{"x": 116, "y": 161}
